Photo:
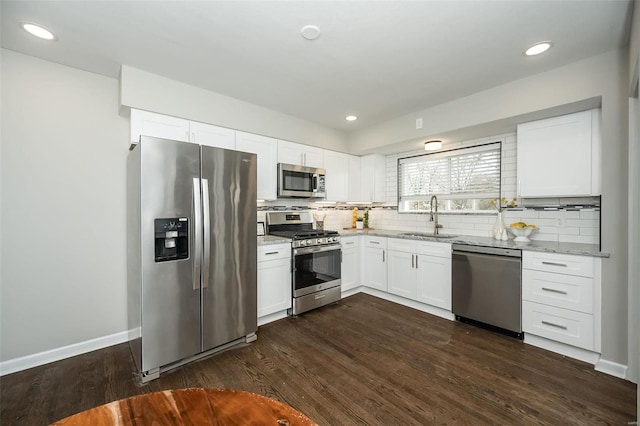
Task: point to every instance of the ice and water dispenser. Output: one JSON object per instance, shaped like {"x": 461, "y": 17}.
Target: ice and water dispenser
{"x": 171, "y": 239}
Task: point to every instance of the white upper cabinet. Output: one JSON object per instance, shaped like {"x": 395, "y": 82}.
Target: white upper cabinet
{"x": 158, "y": 126}
{"x": 337, "y": 176}
{"x": 300, "y": 155}
{"x": 267, "y": 151}
{"x": 560, "y": 156}
{"x": 372, "y": 175}
{"x": 355, "y": 190}
{"x": 210, "y": 135}
{"x": 163, "y": 126}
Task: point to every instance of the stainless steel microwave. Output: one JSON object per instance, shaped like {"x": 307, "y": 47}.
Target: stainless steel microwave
{"x": 300, "y": 181}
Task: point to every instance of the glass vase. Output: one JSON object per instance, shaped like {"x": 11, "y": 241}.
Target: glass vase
{"x": 498, "y": 227}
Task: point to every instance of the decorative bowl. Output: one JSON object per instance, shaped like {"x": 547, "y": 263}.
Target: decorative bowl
{"x": 522, "y": 234}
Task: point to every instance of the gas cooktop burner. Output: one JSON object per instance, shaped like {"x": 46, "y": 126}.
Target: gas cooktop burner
{"x": 299, "y": 227}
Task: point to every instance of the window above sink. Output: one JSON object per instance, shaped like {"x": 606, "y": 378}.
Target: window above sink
{"x": 465, "y": 180}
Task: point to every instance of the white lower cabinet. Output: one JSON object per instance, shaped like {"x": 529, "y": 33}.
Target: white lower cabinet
{"x": 350, "y": 262}
{"x": 563, "y": 325}
{"x": 561, "y": 298}
{"x": 402, "y": 275}
{"x": 374, "y": 260}
{"x": 274, "y": 278}
{"x": 434, "y": 281}
{"x": 421, "y": 271}
{"x": 401, "y": 269}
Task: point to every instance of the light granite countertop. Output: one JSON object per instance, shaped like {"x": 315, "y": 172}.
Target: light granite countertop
{"x": 543, "y": 246}
{"x": 268, "y": 240}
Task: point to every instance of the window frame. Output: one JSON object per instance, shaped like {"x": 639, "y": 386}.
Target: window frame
{"x": 448, "y": 201}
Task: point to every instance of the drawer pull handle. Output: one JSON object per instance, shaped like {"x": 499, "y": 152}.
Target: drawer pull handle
{"x": 349, "y": 243}
{"x": 271, "y": 252}
{"x": 374, "y": 242}
{"x": 554, "y": 325}
{"x": 320, "y": 296}
{"x": 554, "y": 264}
{"x": 553, "y": 290}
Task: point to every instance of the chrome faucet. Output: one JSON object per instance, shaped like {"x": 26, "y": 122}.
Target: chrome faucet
{"x": 436, "y": 226}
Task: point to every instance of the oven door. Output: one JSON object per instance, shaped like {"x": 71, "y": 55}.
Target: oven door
{"x": 316, "y": 269}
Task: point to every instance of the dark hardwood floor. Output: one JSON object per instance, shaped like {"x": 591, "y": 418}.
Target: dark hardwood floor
{"x": 362, "y": 361}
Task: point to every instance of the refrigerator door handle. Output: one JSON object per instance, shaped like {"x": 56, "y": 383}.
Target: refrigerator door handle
{"x": 196, "y": 232}
{"x": 207, "y": 233}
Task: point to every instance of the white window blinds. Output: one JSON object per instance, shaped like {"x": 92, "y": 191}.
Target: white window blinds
{"x": 466, "y": 173}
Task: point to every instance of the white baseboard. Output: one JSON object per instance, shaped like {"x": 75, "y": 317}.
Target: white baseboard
{"x": 41, "y": 358}
{"x": 562, "y": 348}
{"x": 272, "y": 317}
{"x": 433, "y": 310}
{"x": 611, "y": 368}
{"x": 351, "y": 291}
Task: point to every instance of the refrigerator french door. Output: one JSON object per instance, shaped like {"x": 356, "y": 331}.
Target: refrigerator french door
{"x": 192, "y": 248}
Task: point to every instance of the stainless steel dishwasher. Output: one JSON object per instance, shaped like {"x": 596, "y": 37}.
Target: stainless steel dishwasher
{"x": 486, "y": 287}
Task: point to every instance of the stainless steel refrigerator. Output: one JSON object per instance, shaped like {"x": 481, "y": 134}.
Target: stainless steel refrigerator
{"x": 192, "y": 268}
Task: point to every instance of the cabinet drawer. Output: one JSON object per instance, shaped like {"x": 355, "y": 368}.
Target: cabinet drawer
{"x": 559, "y": 263}
{"x": 376, "y": 242}
{"x": 562, "y": 325}
{"x": 434, "y": 249}
{"x": 275, "y": 251}
{"x": 398, "y": 244}
{"x": 350, "y": 242}
{"x": 559, "y": 290}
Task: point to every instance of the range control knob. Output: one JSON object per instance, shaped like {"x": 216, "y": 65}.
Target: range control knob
{"x": 302, "y": 243}
{"x": 309, "y": 242}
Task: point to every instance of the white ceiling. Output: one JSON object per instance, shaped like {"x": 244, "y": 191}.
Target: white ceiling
{"x": 377, "y": 60}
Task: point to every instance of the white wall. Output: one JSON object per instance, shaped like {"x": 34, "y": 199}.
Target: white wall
{"x": 146, "y": 91}
{"x": 634, "y": 203}
{"x": 63, "y": 267}
{"x": 604, "y": 77}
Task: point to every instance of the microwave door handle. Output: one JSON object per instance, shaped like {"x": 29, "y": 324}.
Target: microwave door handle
{"x": 315, "y": 182}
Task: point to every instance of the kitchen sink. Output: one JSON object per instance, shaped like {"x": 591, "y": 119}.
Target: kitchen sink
{"x": 426, "y": 234}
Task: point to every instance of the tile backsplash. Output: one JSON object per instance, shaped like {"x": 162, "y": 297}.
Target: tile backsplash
{"x": 562, "y": 226}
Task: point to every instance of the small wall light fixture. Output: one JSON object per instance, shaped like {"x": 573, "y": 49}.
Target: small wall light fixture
{"x": 432, "y": 145}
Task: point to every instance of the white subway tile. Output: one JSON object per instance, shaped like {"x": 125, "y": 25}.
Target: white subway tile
{"x": 544, "y": 237}
{"x": 579, "y": 239}
{"x": 583, "y": 223}
{"x": 590, "y": 215}
{"x": 550, "y": 214}
{"x": 590, "y": 231}
{"x": 568, "y": 231}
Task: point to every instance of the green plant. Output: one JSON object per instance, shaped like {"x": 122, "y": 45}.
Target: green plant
{"x": 360, "y": 219}
{"x": 366, "y": 218}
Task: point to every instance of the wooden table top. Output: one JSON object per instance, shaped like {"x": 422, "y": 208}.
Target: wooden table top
{"x": 191, "y": 407}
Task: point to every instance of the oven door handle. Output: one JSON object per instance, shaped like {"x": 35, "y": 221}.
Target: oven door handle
{"x": 319, "y": 249}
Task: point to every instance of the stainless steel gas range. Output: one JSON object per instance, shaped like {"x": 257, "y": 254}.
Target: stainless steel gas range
{"x": 317, "y": 259}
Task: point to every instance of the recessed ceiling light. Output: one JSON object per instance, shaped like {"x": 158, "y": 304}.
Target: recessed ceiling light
{"x": 538, "y": 48}
{"x": 38, "y": 31}
{"x": 310, "y": 32}
{"x": 432, "y": 145}
{"x": 351, "y": 118}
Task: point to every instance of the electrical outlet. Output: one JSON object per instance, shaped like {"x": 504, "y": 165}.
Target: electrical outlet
{"x": 560, "y": 222}
{"x": 418, "y": 123}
